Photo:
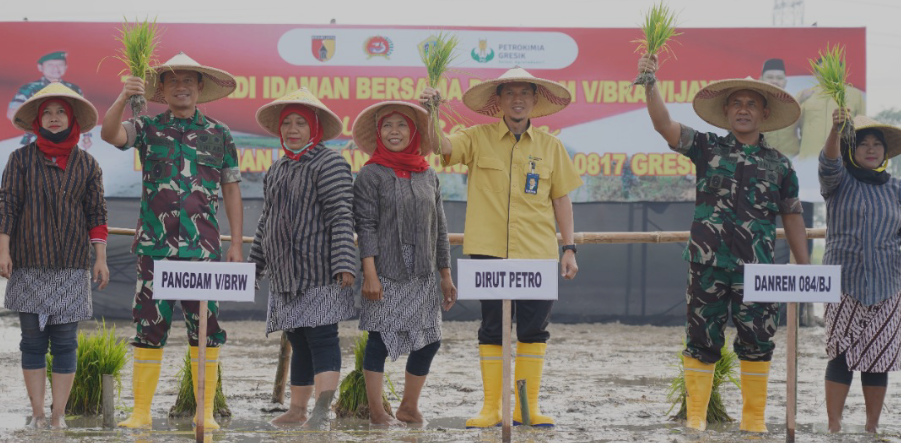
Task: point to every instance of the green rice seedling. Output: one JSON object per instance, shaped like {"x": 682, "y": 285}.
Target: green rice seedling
{"x": 659, "y": 27}
{"x": 185, "y": 403}
{"x": 724, "y": 371}
{"x": 352, "y": 398}
{"x": 98, "y": 353}
{"x": 831, "y": 73}
{"x": 438, "y": 58}
{"x": 139, "y": 42}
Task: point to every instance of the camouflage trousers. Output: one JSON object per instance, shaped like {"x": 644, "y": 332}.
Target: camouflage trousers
{"x": 711, "y": 293}
{"x": 153, "y": 318}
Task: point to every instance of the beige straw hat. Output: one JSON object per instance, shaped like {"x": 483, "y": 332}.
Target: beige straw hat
{"x": 552, "y": 96}
{"x": 784, "y": 109}
{"x": 366, "y": 131}
{"x": 84, "y": 111}
{"x": 891, "y": 133}
{"x": 216, "y": 82}
{"x": 268, "y": 114}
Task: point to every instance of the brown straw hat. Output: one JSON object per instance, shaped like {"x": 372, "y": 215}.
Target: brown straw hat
{"x": 268, "y": 115}
{"x": 709, "y": 102}
{"x": 85, "y": 113}
{"x": 216, "y": 82}
{"x": 891, "y": 133}
{"x": 366, "y": 131}
{"x": 552, "y": 96}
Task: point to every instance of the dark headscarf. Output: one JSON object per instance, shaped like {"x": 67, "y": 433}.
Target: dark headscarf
{"x": 876, "y": 176}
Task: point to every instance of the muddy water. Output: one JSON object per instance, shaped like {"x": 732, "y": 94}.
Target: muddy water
{"x": 604, "y": 382}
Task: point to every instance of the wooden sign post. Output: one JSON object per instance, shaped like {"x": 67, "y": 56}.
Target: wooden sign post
{"x": 507, "y": 280}
{"x": 792, "y": 284}
{"x": 203, "y": 282}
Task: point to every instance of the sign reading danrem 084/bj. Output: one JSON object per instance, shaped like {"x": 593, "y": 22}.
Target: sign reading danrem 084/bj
{"x": 605, "y": 129}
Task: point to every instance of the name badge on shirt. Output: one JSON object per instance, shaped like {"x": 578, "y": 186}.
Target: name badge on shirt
{"x": 531, "y": 183}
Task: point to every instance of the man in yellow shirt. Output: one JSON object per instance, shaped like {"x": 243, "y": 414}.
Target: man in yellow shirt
{"x": 519, "y": 182}
{"x": 785, "y": 140}
{"x": 816, "y": 117}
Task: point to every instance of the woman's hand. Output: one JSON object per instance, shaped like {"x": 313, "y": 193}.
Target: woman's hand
{"x": 101, "y": 274}
{"x": 346, "y": 279}
{"x": 448, "y": 290}
{"x": 372, "y": 288}
{"x": 840, "y": 116}
{"x": 6, "y": 264}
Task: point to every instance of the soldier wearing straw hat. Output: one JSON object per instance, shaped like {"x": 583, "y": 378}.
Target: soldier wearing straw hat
{"x": 743, "y": 184}
{"x": 186, "y": 158}
{"x": 507, "y": 217}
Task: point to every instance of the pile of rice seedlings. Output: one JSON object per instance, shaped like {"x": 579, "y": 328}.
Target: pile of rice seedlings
{"x": 831, "y": 73}
{"x": 98, "y": 353}
{"x": 139, "y": 42}
{"x": 659, "y": 27}
{"x": 352, "y": 399}
{"x": 185, "y": 404}
{"x": 438, "y": 58}
{"x": 724, "y": 371}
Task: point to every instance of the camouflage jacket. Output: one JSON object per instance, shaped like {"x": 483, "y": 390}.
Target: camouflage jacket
{"x": 27, "y": 90}
{"x": 183, "y": 163}
{"x": 740, "y": 190}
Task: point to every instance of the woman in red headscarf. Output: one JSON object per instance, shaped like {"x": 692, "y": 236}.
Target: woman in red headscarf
{"x": 51, "y": 211}
{"x": 305, "y": 244}
{"x": 402, "y": 234}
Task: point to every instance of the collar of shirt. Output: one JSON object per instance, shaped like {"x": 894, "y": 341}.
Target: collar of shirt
{"x": 731, "y": 140}
{"x": 503, "y": 130}
{"x": 198, "y": 120}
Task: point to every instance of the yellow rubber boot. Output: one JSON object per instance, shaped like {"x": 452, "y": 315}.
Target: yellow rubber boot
{"x": 754, "y": 377}
{"x": 143, "y": 384}
{"x": 211, "y": 377}
{"x": 529, "y": 367}
{"x": 698, "y": 385}
{"x": 492, "y": 374}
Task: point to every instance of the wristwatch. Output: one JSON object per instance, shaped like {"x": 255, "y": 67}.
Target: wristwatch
{"x": 569, "y": 248}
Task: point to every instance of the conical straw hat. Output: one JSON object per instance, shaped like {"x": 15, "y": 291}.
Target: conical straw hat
{"x": 216, "y": 82}
{"x": 366, "y": 131}
{"x": 709, "y": 102}
{"x": 268, "y": 114}
{"x": 85, "y": 113}
{"x": 891, "y": 133}
{"x": 552, "y": 96}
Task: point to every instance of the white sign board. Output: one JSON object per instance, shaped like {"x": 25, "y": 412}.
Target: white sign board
{"x": 507, "y": 279}
{"x": 793, "y": 283}
{"x": 195, "y": 280}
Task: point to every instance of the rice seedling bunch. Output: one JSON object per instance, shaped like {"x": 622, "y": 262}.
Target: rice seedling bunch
{"x": 438, "y": 58}
{"x": 185, "y": 404}
{"x": 139, "y": 42}
{"x": 831, "y": 72}
{"x": 659, "y": 27}
{"x": 98, "y": 353}
{"x": 352, "y": 399}
{"x": 724, "y": 371}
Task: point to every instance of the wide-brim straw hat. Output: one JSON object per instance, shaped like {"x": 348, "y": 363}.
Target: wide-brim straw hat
{"x": 366, "y": 131}
{"x": 268, "y": 115}
{"x": 709, "y": 102}
{"x": 891, "y": 133}
{"x": 85, "y": 112}
{"x": 216, "y": 82}
{"x": 483, "y": 98}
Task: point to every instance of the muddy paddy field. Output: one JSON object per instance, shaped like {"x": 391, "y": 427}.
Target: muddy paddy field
{"x": 603, "y": 382}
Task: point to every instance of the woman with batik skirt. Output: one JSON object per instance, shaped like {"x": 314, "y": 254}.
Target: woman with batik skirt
{"x": 304, "y": 243}
{"x": 402, "y": 234}
{"x": 863, "y": 236}
{"x": 52, "y": 211}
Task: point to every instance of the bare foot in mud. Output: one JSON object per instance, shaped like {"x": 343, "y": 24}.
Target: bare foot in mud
{"x": 294, "y": 416}
{"x": 319, "y": 418}
{"x": 37, "y": 422}
{"x": 408, "y": 415}
{"x": 384, "y": 419}
{"x": 58, "y": 422}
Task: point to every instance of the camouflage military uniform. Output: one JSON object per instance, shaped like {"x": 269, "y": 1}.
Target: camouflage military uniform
{"x": 26, "y": 91}
{"x": 740, "y": 191}
{"x": 184, "y": 161}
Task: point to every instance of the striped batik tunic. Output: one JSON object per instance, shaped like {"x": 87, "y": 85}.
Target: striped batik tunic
{"x": 864, "y": 237}
{"x": 305, "y": 236}
{"x": 58, "y": 296}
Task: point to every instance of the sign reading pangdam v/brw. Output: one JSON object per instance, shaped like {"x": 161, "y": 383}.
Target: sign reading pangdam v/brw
{"x": 606, "y": 128}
